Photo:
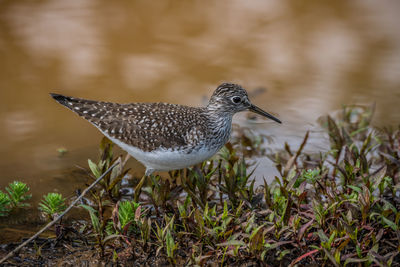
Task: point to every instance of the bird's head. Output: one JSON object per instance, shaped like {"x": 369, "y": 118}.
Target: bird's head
{"x": 232, "y": 98}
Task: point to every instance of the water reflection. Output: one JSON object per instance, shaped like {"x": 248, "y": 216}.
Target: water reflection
{"x": 20, "y": 125}
{"x": 58, "y": 30}
{"x": 312, "y": 58}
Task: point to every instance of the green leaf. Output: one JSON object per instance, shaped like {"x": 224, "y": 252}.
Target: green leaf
{"x": 337, "y": 256}
{"x": 225, "y": 213}
{"x": 4, "y": 204}
{"x": 390, "y": 223}
{"x": 257, "y": 239}
{"x": 18, "y": 193}
{"x": 52, "y": 203}
{"x": 378, "y": 177}
{"x": 354, "y": 260}
{"x": 95, "y": 220}
{"x": 170, "y": 244}
{"x": 94, "y": 168}
{"x": 322, "y": 236}
{"x": 232, "y": 243}
{"x": 355, "y": 188}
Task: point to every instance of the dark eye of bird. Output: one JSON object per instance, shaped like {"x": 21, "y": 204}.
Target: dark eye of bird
{"x": 236, "y": 99}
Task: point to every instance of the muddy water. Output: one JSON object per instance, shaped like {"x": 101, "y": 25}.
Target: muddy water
{"x": 311, "y": 57}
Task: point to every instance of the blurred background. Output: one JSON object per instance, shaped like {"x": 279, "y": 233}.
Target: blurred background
{"x": 311, "y": 57}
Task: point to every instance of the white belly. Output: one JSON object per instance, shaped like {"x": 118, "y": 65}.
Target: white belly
{"x": 164, "y": 159}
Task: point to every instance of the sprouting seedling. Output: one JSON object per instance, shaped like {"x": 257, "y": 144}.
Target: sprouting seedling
{"x": 52, "y": 204}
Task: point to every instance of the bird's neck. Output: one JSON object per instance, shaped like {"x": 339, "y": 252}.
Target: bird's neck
{"x": 220, "y": 125}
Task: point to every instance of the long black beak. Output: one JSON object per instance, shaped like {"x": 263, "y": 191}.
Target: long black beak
{"x": 258, "y": 110}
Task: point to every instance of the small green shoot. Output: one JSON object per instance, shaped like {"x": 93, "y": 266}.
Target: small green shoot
{"x": 17, "y": 192}
{"x": 52, "y": 204}
{"x": 4, "y": 204}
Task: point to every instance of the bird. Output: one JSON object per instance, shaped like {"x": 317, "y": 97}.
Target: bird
{"x": 163, "y": 136}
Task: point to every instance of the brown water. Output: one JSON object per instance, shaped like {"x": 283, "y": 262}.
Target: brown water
{"x": 312, "y": 56}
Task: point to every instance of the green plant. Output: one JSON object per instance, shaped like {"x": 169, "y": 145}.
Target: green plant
{"x": 17, "y": 192}
{"x": 129, "y": 212}
{"x": 197, "y": 182}
{"x": 324, "y": 208}
{"x": 4, "y": 204}
{"x": 98, "y": 230}
{"x": 165, "y": 239}
{"x": 111, "y": 183}
{"x": 52, "y": 204}
{"x": 161, "y": 192}
{"x": 235, "y": 177}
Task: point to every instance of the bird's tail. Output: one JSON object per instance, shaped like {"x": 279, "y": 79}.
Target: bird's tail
{"x": 88, "y": 109}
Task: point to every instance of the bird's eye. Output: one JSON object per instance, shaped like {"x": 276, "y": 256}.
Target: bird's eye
{"x": 236, "y": 99}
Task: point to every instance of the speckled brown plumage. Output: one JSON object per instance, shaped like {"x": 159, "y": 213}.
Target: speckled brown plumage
{"x": 167, "y": 136}
{"x": 147, "y": 126}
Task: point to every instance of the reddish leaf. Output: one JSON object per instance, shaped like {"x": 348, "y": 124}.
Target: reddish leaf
{"x": 302, "y": 257}
{"x": 303, "y": 229}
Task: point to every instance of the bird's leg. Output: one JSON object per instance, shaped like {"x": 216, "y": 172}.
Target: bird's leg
{"x": 138, "y": 188}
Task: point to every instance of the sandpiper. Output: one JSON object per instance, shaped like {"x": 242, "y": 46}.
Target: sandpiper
{"x": 163, "y": 136}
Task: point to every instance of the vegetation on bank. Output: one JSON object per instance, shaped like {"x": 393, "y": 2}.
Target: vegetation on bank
{"x": 334, "y": 208}
{"x": 16, "y": 197}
